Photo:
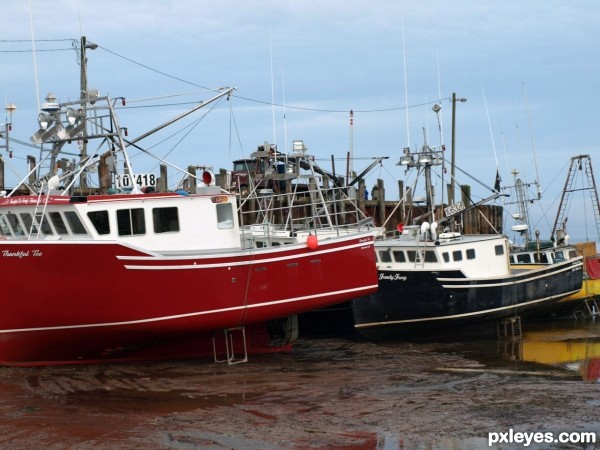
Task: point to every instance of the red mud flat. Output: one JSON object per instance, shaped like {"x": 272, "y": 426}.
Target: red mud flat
{"x": 328, "y": 393}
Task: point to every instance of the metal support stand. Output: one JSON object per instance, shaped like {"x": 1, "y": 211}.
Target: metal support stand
{"x": 510, "y": 328}
{"x": 590, "y": 309}
{"x": 229, "y": 335}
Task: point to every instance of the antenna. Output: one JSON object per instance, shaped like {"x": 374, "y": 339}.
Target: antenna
{"x": 537, "y": 176}
{"x": 272, "y": 86}
{"x": 37, "y": 86}
{"x": 285, "y": 137}
{"x": 490, "y": 126}
{"x": 349, "y": 174}
{"x": 405, "y": 87}
{"x": 436, "y": 109}
{"x": 441, "y": 127}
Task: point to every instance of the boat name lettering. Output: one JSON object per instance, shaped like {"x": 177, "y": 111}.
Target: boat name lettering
{"x": 29, "y": 200}
{"x": 392, "y": 277}
{"x": 21, "y": 253}
{"x": 454, "y": 208}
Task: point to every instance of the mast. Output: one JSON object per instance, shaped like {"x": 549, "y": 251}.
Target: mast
{"x": 83, "y": 95}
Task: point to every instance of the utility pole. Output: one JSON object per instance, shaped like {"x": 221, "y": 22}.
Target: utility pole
{"x": 453, "y": 156}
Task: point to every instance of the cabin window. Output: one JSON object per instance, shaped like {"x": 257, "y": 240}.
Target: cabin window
{"x": 430, "y": 256}
{"x": 224, "y": 215}
{"x": 411, "y": 255}
{"x": 27, "y": 222}
{"x": 75, "y": 223}
{"x": 165, "y": 219}
{"x": 470, "y": 253}
{"x": 399, "y": 256}
{"x": 457, "y": 255}
{"x": 100, "y": 221}
{"x": 524, "y": 258}
{"x": 13, "y": 220}
{"x": 560, "y": 255}
{"x": 131, "y": 222}
{"x": 446, "y": 256}
{"x": 4, "y": 227}
{"x": 499, "y": 249}
{"x": 59, "y": 223}
{"x": 512, "y": 259}
{"x": 46, "y": 228}
{"x": 542, "y": 257}
{"x": 385, "y": 256}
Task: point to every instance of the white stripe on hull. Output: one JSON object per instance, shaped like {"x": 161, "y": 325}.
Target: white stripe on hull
{"x": 199, "y": 313}
{"x": 458, "y": 316}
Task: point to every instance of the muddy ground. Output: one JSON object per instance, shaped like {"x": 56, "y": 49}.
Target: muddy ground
{"x": 328, "y": 393}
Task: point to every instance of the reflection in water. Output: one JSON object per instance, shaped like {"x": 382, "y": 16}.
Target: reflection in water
{"x": 571, "y": 345}
{"x": 567, "y": 345}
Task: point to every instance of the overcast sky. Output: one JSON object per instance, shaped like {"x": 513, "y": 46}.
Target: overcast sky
{"x": 531, "y": 67}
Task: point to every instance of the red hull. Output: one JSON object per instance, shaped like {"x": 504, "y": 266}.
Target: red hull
{"x": 122, "y": 298}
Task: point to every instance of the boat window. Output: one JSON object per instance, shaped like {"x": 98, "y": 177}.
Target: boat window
{"x": 27, "y": 222}
{"x": 384, "y": 256}
{"x": 542, "y": 257}
{"x": 558, "y": 256}
{"x": 399, "y": 256}
{"x": 131, "y": 222}
{"x": 75, "y": 223}
{"x": 224, "y": 215}
{"x": 524, "y": 258}
{"x": 165, "y": 219}
{"x": 430, "y": 256}
{"x": 45, "y": 226}
{"x": 58, "y": 222}
{"x": 470, "y": 253}
{"x": 457, "y": 255}
{"x": 572, "y": 254}
{"x": 446, "y": 256}
{"x": 100, "y": 221}
{"x": 4, "y": 228}
{"x": 244, "y": 165}
{"x": 500, "y": 250}
{"x": 13, "y": 220}
{"x": 512, "y": 259}
{"x": 411, "y": 255}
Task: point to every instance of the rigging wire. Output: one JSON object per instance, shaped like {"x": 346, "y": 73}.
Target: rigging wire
{"x": 191, "y": 83}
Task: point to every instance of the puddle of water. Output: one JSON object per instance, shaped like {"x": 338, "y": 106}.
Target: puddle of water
{"x": 562, "y": 348}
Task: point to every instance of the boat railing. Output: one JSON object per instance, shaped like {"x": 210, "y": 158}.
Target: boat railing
{"x": 309, "y": 210}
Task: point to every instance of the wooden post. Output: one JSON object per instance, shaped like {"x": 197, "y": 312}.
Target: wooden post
{"x": 380, "y": 202}
{"x": 162, "y": 180}
{"x": 468, "y": 216}
{"x": 360, "y": 195}
{"x": 223, "y": 182}
{"x": 192, "y": 179}
{"x": 31, "y": 165}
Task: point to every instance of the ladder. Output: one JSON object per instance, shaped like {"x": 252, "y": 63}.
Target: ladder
{"x": 228, "y": 341}
{"x": 580, "y": 163}
{"x": 37, "y": 221}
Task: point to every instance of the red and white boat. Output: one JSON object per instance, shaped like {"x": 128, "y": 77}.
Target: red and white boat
{"x": 128, "y": 273}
